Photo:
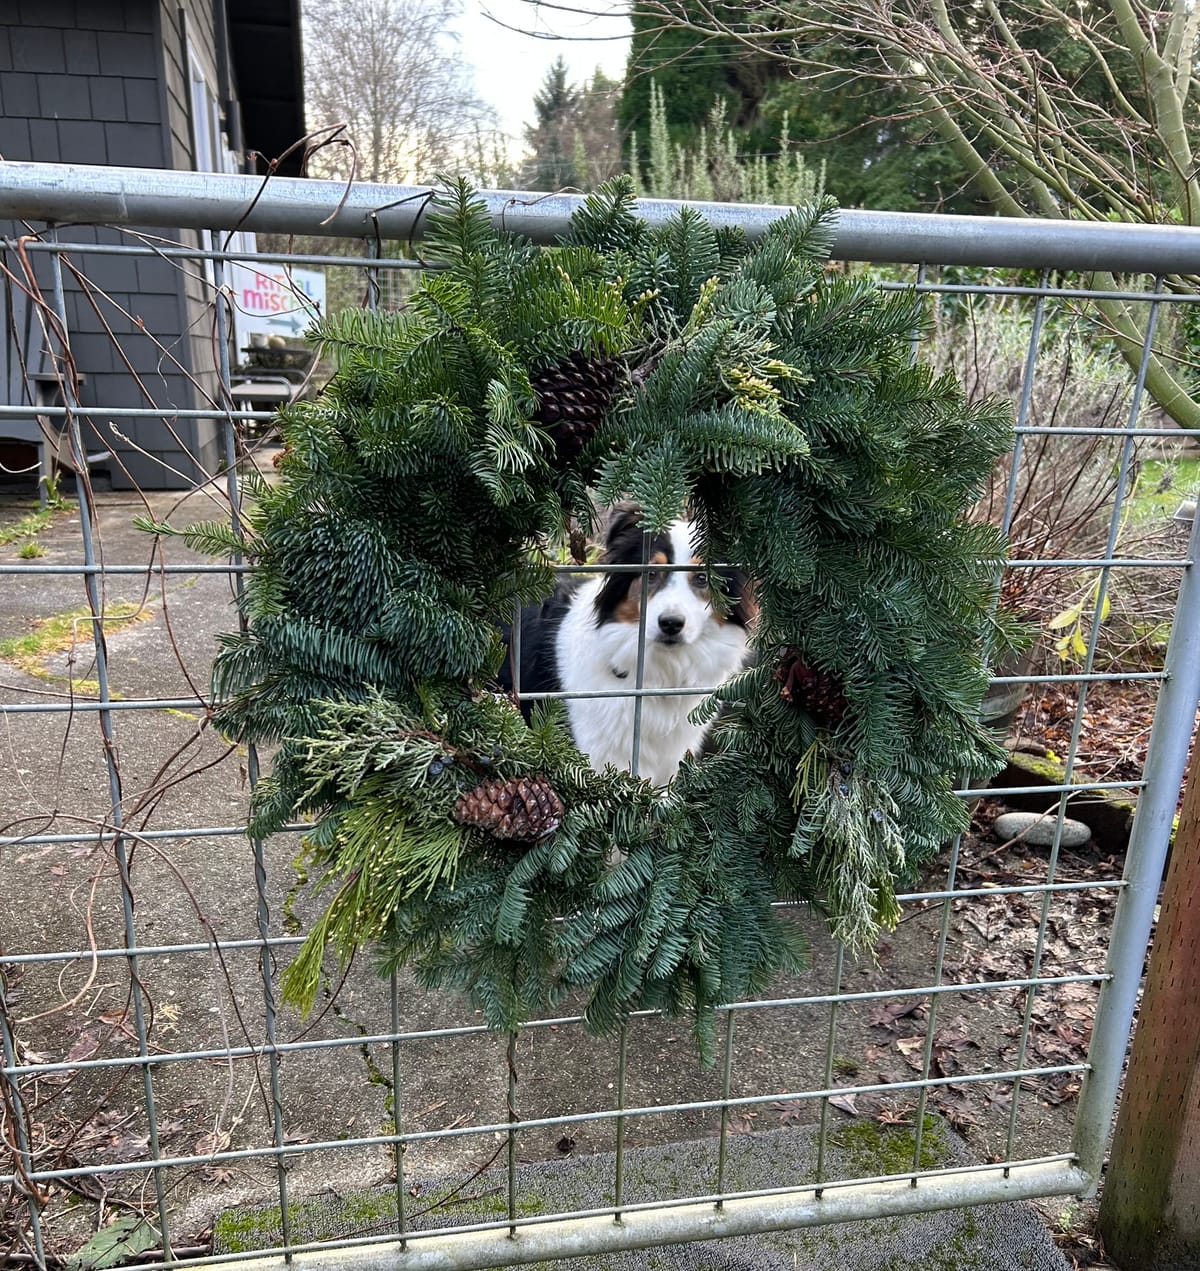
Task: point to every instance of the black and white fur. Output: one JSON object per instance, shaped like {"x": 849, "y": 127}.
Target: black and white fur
{"x": 585, "y": 638}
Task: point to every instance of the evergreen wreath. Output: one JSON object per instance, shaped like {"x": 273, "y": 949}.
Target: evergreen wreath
{"x": 427, "y": 492}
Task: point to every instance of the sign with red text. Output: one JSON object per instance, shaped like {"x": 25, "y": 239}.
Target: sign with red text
{"x": 274, "y": 300}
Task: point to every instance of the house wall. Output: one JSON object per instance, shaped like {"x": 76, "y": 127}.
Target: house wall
{"x": 189, "y": 44}
{"x": 98, "y": 82}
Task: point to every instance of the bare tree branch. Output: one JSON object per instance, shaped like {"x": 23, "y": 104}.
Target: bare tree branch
{"x": 390, "y": 70}
{"x": 1081, "y": 110}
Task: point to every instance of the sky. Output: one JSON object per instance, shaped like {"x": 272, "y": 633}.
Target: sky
{"x": 509, "y": 66}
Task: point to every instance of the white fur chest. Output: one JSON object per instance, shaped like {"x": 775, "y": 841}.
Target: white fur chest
{"x": 603, "y": 658}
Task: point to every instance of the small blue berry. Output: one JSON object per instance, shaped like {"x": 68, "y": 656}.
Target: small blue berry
{"x": 435, "y": 768}
{"x": 876, "y": 815}
{"x": 843, "y": 788}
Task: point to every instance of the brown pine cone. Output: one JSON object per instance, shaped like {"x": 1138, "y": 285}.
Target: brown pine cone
{"x": 573, "y": 398}
{"x": 524, "y": 808}
{"x": 815, "y": 691}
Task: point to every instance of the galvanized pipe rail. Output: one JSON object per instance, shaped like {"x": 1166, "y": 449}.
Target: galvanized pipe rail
{"x": 294, "y": 205}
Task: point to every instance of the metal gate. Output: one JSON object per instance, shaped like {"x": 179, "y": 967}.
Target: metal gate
{"x": 147, "y": 1063}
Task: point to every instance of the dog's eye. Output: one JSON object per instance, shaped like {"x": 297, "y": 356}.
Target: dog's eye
{"x": 700, "y": 580}
{"x": 652, "y": 575}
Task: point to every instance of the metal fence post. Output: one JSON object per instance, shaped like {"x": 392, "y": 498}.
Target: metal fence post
{"x": 1148, "y": 846}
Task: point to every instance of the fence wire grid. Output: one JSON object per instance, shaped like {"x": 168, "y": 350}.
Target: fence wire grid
{"x": 149, "y": 1068}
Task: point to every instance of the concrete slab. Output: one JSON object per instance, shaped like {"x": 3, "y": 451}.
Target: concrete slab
{"x": 1003, "y": 1237}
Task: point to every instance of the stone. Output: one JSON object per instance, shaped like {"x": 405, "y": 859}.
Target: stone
{"x": 1039, "y": 830}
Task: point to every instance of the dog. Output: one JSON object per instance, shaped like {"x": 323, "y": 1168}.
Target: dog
{"x": 584, "y": 638}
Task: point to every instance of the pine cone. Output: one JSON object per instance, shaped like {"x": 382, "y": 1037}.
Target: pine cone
{"x": 817, "y": 692}
{"x": 526, "y": 808}
{"x": 573, "y": 399}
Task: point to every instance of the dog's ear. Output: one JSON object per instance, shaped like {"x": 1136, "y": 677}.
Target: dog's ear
{"x": 742, "y": 592}
{"x": 622, "y": 530}
{"x": 741, "y": 604}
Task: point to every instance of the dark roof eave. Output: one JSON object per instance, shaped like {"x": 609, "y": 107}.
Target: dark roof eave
{"x": 266, "y": 49}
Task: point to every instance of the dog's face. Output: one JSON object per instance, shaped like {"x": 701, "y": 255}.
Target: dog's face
{"x": 680, "y": 604}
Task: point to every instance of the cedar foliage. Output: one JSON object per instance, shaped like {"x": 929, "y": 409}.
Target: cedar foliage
{"x": 420, "y": 501}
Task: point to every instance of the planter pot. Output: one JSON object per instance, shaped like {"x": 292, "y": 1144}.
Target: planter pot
{"x": 1002, "y": 701}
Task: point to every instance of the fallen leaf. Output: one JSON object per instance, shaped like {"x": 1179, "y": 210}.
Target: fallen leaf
{"x": 894, "y": 1116}
{"x": 741, "y": 1122}
{"x": 86, "y": 1045}
{"x": 209, "y": 1144}
{"x": 791, "y": 1111}
{"x": 845, "y": 1102}
{"x": 887, "y": 1014}
{"x": 123, "y": 1238}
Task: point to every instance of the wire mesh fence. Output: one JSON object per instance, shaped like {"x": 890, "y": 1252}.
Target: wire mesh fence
{"x": 149, "y": 1068}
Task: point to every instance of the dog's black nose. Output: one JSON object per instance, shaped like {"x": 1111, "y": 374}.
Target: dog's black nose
{"x": 670, "y": 625}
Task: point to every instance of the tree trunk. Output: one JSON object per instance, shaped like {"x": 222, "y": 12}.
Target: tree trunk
{"x": 1150, "y": 1207}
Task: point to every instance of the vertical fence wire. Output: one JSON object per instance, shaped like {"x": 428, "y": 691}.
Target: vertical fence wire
{"x": 372, "y": 297}
{"x": 635, "y": 757}
{"x": 397, "y": 1113}
{"x": 830, "y": 1049}
{"x": 1149, "y": 842}
{"x": 726, "y": 1090}
{"x": 95, "y": 596}
{"x": 21, "y": 1145}
{"x": 619, "y": 1151}
{"x": 634, "y": 764}
{"x": 262, "y": 907}
{"x": 513, "y": 1118}
{"x": 1101, "y": 593}
{"x": 1024, "y": 406}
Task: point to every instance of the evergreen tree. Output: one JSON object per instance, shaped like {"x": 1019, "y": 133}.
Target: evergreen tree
{"x": 575, "y": 142}
{"x": 690, "y": 71}
{"x": 423, "y": 496}
{"x": 872, "y": 148}
{"x": 555, "y": 105}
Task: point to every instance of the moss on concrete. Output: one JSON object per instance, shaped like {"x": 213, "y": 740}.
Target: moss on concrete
{"x": 33, "y": 523}
{"x": 871, "y": 1148}
{"x": 250, "y": 1228}
{"x": 60, "y": 632}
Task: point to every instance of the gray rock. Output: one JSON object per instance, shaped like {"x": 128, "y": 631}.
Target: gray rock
{"x": 1039, "y": 830}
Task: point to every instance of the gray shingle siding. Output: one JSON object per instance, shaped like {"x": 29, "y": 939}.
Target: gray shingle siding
{"x": 19, "y": 94}
{"x": 43, "y": 141}
{"x": 124, "y": 54}
{"x": 134, "y": 145}
{"x": 93, "y": 86}
{"x": 14, "y": 138}
{"x": 37, "y": 48}
{"x": 64, "y": 97}
{"x": 82, "y": 141}
{"x": 61, "y": 13}
{"x": 142, "y": 103}
{"x": 107, "y": 93}
{"x": 83, "y": 56}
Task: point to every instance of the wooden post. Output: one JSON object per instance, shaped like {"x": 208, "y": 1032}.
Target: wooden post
{"x": 1150, "y": 1204}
